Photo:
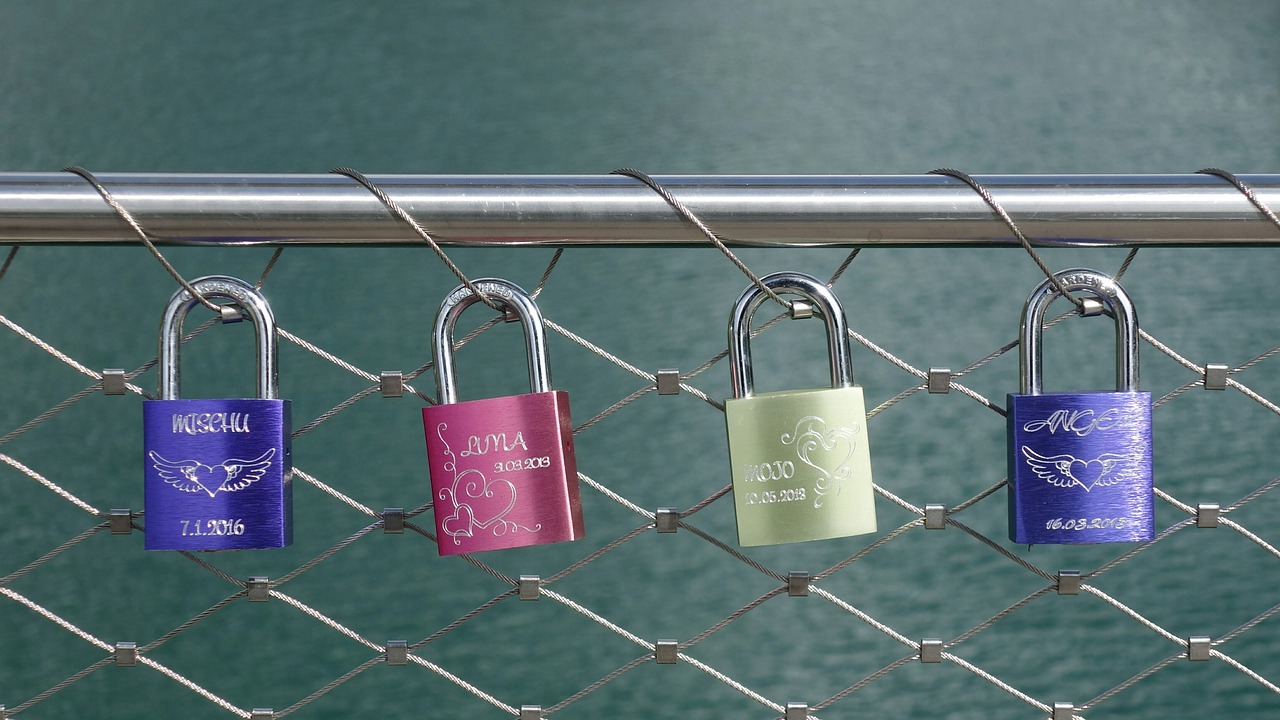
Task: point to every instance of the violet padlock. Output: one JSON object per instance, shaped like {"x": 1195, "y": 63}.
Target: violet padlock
{"x": 800, "y": 462}
{"x": 503, "y": 471}
{"x": 219, "y": 472}
{"x": 1080, "y": 462}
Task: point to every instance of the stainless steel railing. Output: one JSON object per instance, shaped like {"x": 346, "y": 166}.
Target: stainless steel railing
{"x": 572, "y": 210}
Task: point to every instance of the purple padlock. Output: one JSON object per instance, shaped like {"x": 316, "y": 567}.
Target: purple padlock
{"x": 218, "y": 471}
{"x": 1080, "y": 462}
{"x": 503, "y": 471}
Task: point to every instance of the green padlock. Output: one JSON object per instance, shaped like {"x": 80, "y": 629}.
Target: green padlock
{"x": 801, "y": 465}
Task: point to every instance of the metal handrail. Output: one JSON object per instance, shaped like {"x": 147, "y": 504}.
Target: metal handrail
{"x": 573, "y": 210}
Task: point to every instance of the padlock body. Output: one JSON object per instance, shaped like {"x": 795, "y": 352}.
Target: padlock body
{"x": 801, "y": 465}
{"x": 1080, "y": 468}
{"x": 219, "y": 474}
{"x": 503, "y": 472}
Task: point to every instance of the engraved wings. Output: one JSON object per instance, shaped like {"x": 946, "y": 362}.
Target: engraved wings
{"x": 1067, "y": 470}
{"x": 229, "y": 476}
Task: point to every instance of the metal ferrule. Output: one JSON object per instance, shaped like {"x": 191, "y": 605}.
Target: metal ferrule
{"x": 250, "y": 302}
{"x": 1031, "y": 358}
{"x": 512, "y": 297}
{"x": 791, "y": 283}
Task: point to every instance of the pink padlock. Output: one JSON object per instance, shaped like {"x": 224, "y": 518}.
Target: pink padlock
{"x": 503, "y": 472}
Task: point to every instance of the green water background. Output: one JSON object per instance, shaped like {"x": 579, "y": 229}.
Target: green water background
{"x": 668, "y": 87}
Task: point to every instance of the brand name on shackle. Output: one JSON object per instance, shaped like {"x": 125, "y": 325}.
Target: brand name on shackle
{"x": 204, "y": 423}
{"x": 1090, "y": 282}
{"x": 486, "y": 288}
{"x": 1080, "y": 422}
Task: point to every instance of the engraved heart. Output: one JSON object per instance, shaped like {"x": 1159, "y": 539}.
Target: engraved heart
{"x": 209, "y": 478}
{"x": 827, "y": 451}
{"x": 459, "y": 523}
{"x": 830, "y": 451}
{"x": 489, "y": 501}
{"x": 1087, "y": 473}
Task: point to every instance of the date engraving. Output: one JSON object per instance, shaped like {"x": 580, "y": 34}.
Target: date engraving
{"x": 1096, "y": 523}
{"x": 201, "y": 528}
{"x": 533, "y": 463}
{"x": 766, "y": 497}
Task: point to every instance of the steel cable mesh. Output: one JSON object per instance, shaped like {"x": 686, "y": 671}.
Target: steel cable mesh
{"x": 1029, "y": 586}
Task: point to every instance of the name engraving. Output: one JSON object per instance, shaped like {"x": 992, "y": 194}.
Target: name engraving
{"x": 493, "y": 442}
{"x": 1079, "y": 422}
{"x": 204, "y": 423}
{"x": 764, "y": 472}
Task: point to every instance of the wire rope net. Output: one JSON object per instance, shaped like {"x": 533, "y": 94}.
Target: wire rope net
{"x": 658, "y": 610}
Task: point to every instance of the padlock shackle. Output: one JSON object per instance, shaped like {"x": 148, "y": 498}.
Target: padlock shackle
{"x": 250, "y": 302}
{"x": 1109, "y": 292}
{"x": 824, "y": 302}
{"x": 514, "y": 299}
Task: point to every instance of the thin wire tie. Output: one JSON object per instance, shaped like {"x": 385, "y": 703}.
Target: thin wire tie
{"x": 1026, "y": 244}
{"x": 271, "y": 263}
{"x": 227, "y": 312}
{"x": 8, "y": 260}
{"x": 711, "y": 235}
{"x": 1245, "y": 190}
{"x": 399, "y": 212}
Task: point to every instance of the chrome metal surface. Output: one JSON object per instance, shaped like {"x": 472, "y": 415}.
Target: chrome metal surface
{"x": 816, "y": 293}
{"x": 666, "y": 652}
{"x": 1215, "y": 376}
{"x": 120, "y": 521}
{"x": 567, "y": 210}
{"x": 258, "y": 588}
{"x": 397, "y": 652}
{"x": 1107, "y": 290}
{"x": 248, "y": 300}
{"x": 391, "y": 382}
{"x": 530, "y": 587}
{"x": 393, "y": 521}
{"x": 514, "y": 299}
{"x": 126, "y": 654}
{"x": 1207, "y": 515}
{"x": 935, "y": 516}
{"x": 798, "y": 583}
{"x": 667, "y": 520}
{"x": 113, "y": 381}
{"x": 931, "y": 650}
{"x": 1069, "y": 582}
{"x": 1199, "y": 647}
{"x": 668, "y": 381}
{"x": 939, "y": 381}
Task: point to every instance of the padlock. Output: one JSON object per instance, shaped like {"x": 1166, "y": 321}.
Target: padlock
{"x": 219, "y": 472}
{"x": 1080, "y": 462}
{"x": 800, "y": 461}
{"x": 503, "y": 470}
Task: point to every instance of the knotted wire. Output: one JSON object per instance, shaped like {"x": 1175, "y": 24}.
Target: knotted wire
{"x": 228, "y": 312}
{"x": 715, "y": 239}
{"x": 1245, "y": 190}
{"x": 995, "y": 206}
{"x": 399, "y": 212}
